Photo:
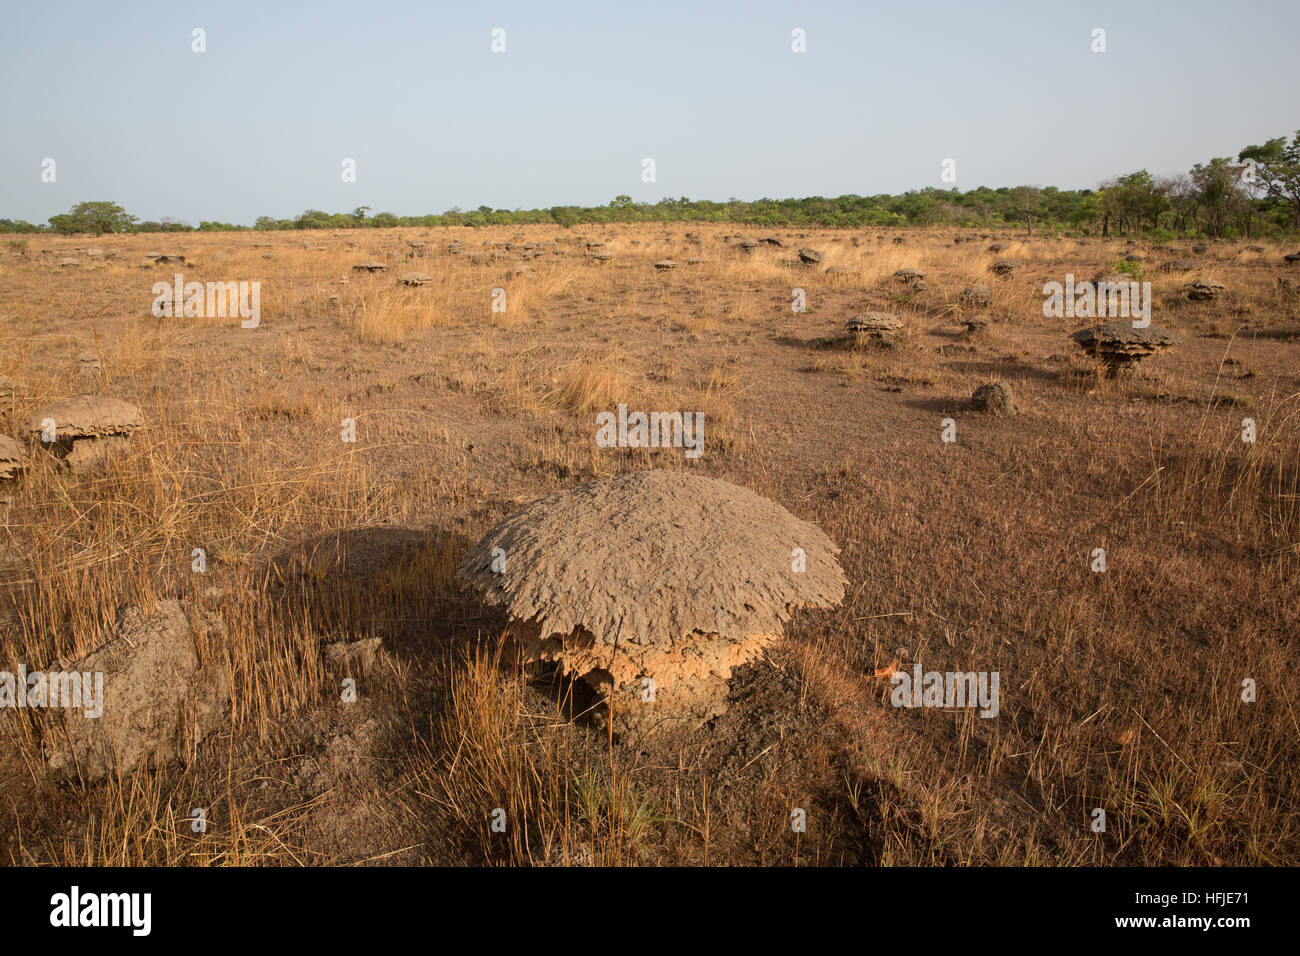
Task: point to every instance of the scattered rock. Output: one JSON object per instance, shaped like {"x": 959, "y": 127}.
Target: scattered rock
{"x": 85, "y": 431}
{"x": 157, "y": 701}
{"x": 1111, "y": 278}
{"x": 874, "y": 327}
{"x": 414, "y": 279}
{"x": 88, "y": 367}
{"x": 996, "y": 398}
{"x": 11, "y": 457}
{"x": 663, "y": 265}
{"x": 1200, "y": 290}
{"x": 370, "y": 267}
{"x": 977, "y": 296}
{"x": 909, "y": 276}
{"x": 354, "y": 658}
{"x": 810, "y": 257}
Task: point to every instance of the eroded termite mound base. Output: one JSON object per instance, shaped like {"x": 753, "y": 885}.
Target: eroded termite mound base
{"x": 650, "y": 688}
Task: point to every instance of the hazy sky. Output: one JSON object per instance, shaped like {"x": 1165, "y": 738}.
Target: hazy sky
{"x": 261, "y": 123}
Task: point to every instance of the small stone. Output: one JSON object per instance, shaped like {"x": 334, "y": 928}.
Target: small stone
{"x": 874, "y": 326}
{"x": 156, "y": 701}
{"x": 995, "y": 398}
{"x": 1200, "y": 290}
{"x": 354, "y": 658}
{"x": 11, "y": 457}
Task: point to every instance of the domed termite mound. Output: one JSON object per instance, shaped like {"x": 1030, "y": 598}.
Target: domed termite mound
{"x": 652, "y": 587}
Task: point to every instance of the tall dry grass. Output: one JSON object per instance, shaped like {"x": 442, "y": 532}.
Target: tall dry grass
{"x": 1123, "y": 690}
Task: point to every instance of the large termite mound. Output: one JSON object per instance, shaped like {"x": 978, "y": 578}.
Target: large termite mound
{"x": 652, "y": 587}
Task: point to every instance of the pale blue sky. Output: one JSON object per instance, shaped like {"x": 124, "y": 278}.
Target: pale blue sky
{"x": 260, "y": 123}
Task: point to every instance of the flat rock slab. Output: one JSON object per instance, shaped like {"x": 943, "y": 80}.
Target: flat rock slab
{"x": 88, "y": 416}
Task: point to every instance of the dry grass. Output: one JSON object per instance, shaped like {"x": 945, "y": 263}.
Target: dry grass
{"x": 1121, "y": 690}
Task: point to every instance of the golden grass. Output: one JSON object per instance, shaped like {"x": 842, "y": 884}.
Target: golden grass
{"x": 1122, "y": 690}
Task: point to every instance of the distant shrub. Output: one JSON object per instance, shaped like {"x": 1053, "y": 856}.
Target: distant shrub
{"x": 1133, "y": 269}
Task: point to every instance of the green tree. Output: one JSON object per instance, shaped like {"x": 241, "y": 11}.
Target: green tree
{"x": 1133, "y": 201}
{"x": 93, "y": 217}
{"x": 1275, "y": 171}
{"x": 1025, "y": 205}
{"x": 313, "y": 219}
{"x": 1218, "y": 193}
{"x": 16, "y": 225}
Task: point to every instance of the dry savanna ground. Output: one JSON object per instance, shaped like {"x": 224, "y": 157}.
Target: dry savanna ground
{"x": 1120, "y": 689}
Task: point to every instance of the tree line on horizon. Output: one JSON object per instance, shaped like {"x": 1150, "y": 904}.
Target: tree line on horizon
{"x": 1255, "y": 195}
